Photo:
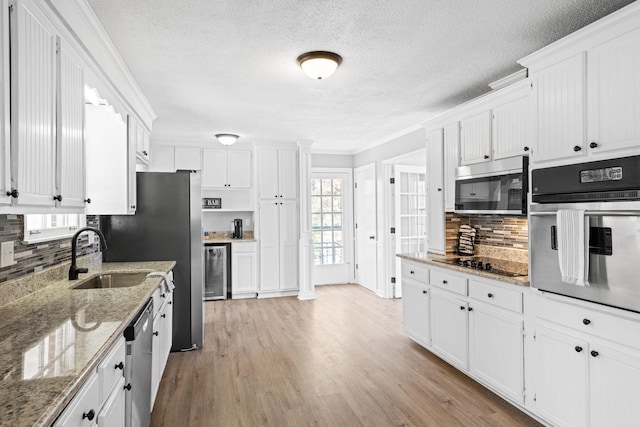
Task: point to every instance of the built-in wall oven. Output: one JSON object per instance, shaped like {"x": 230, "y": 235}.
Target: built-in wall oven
{"x": 607, "y": 195}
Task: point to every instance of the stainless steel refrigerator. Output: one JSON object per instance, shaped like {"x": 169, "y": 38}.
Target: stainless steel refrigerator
{"x": 167, "y": 226}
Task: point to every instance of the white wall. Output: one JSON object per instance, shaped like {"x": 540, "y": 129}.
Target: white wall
{"x": 407, "y": 143}
{"x": 221, "y": 221}
{"x": 331, "y": 160}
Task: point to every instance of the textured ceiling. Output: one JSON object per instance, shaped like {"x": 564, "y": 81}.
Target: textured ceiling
{"x": 210, "y": 66}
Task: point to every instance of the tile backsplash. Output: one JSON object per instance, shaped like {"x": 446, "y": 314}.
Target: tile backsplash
{"x": 509, "y": 232}
{"x": 35, "y": 257}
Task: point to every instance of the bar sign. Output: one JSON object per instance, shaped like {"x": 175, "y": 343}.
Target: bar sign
{"x": 211, "y": 203}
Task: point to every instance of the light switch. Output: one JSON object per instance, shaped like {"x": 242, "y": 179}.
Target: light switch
{"x": 247, "y": 223}
{"x": 7, "y": 254}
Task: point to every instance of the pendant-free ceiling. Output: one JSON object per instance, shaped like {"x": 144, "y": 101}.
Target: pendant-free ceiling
{"x": 319, "y": 64}
{"x": 226, "y": 138}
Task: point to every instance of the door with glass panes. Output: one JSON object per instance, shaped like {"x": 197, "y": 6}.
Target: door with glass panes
{"x": 410, "y": 214}
{"x": 331, "y": 226}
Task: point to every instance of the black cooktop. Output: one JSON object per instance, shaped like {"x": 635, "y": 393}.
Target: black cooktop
{"x": 498, "y": 266}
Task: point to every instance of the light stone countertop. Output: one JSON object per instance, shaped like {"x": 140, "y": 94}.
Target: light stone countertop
{"x": 53, "y": 339}
{"x": 431, "y": 259}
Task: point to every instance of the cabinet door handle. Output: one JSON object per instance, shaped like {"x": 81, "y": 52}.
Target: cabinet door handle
{"x": 526, "y": 148}
{"x": 470, "y": 309}
{"x": 58, "y": 197}
{"x": 13, "y": 193}
{"x": 439, "y": 189}
{"x": 128, "y": 387}
{"x": 577, "y": 148}
{"x": 424, "y": 292}
{"x": 163, "y": 315}
{"x": 372, "y": 237}
{"x": 586, "y": 321}
{"x": 462, "y": 307}
{"x": 87, "y": 200}
{"x": 490, "y": 295}
{"x": 119, "y": 366}
{"x": 594, "y": 353}
{"x": 486, "y": 156}
{"x": 155, "y": 333}
{"x": 593, "y": 145}
{"x": 444, "y": 282}
{"x": 145, "y": 153}
{"x": 163, "y": 295}
{"x": 412, "y": 272}
{"x": 578, "y": 349}
{"x": 89, "y": 415}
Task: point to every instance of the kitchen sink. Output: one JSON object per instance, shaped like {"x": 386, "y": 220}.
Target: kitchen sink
{"x": 112, "y": 280}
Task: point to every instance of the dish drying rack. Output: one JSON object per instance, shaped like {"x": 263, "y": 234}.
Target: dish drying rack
{"x": 466, "y": 240}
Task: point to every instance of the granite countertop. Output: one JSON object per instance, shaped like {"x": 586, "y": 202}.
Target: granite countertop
{"x": 432, "y": 259}
{"x": 53, "y": 339}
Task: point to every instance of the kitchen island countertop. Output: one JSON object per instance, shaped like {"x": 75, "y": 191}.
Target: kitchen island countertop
{"x": 53, "y": 339}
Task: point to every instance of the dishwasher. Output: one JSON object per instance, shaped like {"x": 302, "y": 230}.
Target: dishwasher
{"x": 137, "y": 374}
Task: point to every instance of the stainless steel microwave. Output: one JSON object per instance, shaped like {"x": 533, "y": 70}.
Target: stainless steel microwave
{"x": 498, "y": 187}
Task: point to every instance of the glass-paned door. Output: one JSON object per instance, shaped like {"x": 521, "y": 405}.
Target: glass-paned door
{"x": 330, "y": 226}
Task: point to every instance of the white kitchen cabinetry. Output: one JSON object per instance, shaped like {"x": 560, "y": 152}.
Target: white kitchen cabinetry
{"x": 162, "y": 159}
{"x": 415, "y": 301}
{"x": 435, "y": 192}
{"x": 47, "y": 113}
{"x": 559, "y": 103}
{"x": 613, "y": 93}
{"x": 475, "y": 138}
{"x": 449, "y": 328}
{"x": 278, "y": 173}
{"x": 587, "y": 364}
{"x": 141, "y": 137}
{"x": 228, "y": 168}
{"x": 101, "y": 399}
{"x": 244, "y": 267}
{"x": 162, "y": 335}
{"x": 451, "y": 163}
{"x": 188, "y": 158}
{"x": 278, "y": 246}
{"x": 511, "y": 121}
{"x": 5, "y": 144}
{"x": 132, "y": 132}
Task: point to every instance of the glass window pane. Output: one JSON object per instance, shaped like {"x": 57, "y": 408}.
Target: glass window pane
{"x": 337, "y": 186}
{"x": 327, "y": 221}
{"x": 338, "y": 256}
{"x": 337, "y": 204}
{"x": 337, "y": 237}
{"x": 326, "y": 186}
{"x": 326, "y": 237}
{"x": 317, "y": 257}
{"x": 315, "y": 204}
{"x": 327, "y": 256}
{"x": 337, "y": 220}
{"x": 315, "y": 220}
{"x": 315, "y": 187}
{"x": 316, "y": 237}
{"x": 326, "y": 204}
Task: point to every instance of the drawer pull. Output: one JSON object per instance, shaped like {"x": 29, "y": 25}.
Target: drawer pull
{"x": 89, "y": 415}
{"x": 156, "y": 333}
{"x": 470, "y": 308}
{"x": 490, "y": 295}
{"x": 444, "y": 282}
{"x": 412, "y": 272}
{"x": 594, "y": 353}
{"x": 424, "y": 292}
{"x": 163, "y": 315}
{"x": 462, "y": 307}
{"x": 128, "y": 387}
{"x": 586, "y": 321}
{"x": 119, "y": 366}
{"x": 578, "y": 349}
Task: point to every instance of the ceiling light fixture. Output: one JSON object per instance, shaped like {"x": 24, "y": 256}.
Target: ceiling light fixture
{"x": 319, "y": 64}
{"x": 226, "y": 138}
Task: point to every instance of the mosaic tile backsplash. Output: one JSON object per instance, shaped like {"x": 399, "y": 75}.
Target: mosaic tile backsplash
{"x": 38, "y": 256}
{"x": 491, "y": 230}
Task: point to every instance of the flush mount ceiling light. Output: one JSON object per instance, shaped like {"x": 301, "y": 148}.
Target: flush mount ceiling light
{"x": 226, "y": 138}
{"x": 319, "y": 64}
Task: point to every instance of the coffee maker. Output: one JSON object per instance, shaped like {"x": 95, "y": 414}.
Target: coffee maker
{"x": 237, "y": 228}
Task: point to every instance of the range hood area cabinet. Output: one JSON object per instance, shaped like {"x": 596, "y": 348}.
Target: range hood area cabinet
{"x": 586, "y": 92}
{"x": 46, "y": 152}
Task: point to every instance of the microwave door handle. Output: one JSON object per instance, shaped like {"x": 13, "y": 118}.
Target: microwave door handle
{"x": 554, "y": 238}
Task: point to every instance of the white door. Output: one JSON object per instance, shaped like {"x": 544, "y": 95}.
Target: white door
{"x": 410, "y": 214}
{"x": 365, "y": 206}
{"x": 331, "y": 198}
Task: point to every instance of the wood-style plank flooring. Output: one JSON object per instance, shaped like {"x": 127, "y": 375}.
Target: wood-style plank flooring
{"x": 339, "y": 360}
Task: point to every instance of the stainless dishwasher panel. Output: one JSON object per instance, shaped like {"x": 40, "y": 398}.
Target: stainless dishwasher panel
{"x": 139, "y": 336}
{"x": 217, "y": 258}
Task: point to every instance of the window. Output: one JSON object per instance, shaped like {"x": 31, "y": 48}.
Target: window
{"x": 412, "y": 211}
{"x": 41, "y": 227}
{"x": 327, "y": 220}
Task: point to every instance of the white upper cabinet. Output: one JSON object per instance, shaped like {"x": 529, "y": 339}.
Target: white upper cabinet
{"x": 435, "y": 193}
{"x": 131, "y": 195}
{"x": 188, "y": 158}
{"x": 451, "y": 162}
{"x": 33, "y": 105}
{"x": 511, "y": 122}
{"x": 226, "y": 168}
{"x": 162, "y": 159}
{"x": 613, "y": 86}
{"x": 475, "y": 138}
{"x": 141, "y": 143}
{"x": 278, "y": 173}
{"x": 70, "y": 129}
{"x": 559, "y": 104}
{"x": 5, "y": 176}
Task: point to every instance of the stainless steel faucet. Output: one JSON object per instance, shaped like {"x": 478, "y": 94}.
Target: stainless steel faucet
{"x": 74, "y": 270}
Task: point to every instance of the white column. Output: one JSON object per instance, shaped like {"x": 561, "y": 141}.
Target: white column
{"x": 305, "y": 246}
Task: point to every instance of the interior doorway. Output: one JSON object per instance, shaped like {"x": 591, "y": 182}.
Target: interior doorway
{"x": 365, "y": 232}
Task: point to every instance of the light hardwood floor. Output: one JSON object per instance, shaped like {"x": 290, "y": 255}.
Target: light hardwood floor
{"x": 339, "y": 360}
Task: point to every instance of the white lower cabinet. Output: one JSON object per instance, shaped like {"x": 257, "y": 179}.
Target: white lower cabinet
{"x": 582, "y": 375}
{"x": 162, "y": 336}
{"x": 244, "y": 270}
{"x": 496, "y": 349}
{"x": 415, "y": 311}
{"x": 449, "y": 328}
{"x": 112, "y": 413}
